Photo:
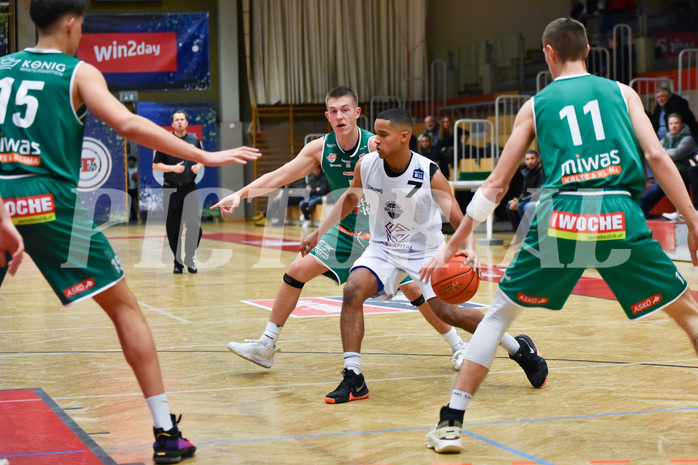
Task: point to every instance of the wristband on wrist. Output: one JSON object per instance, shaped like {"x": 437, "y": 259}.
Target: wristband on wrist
{"x": 480, "y": 207}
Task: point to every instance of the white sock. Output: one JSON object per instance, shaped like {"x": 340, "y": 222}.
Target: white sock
{"x": 510, "y": 344}
{"x": 352, "y": 361}
{"x": 270, "y": 334}
{"x": 453, "y": 339}
{"x": 160, "y": 410}
{"x": 459, "y": 400}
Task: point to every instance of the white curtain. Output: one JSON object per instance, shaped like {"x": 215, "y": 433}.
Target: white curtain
{"x": 304, "y": 48}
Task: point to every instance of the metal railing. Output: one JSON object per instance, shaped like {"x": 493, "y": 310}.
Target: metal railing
{"x": 622, "y": 53}
{"x": 688, "y": 75}
{"x": 646, "y": 88}
{"x": 379, "y": 103}
{"x": 437, "y": 66}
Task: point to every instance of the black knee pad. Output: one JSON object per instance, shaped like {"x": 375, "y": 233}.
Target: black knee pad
{"x": 293, "y": 282}
{"x": 418, "y": 301}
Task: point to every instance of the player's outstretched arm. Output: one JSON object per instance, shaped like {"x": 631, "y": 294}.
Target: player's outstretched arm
{"x": 10, "y": 242}
{"x": 345, "y": 205}
{"x": 301, "y": 166}
{"x": 91, "y": 89}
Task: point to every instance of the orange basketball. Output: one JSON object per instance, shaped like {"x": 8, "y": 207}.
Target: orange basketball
{"x": 456, "y": 282}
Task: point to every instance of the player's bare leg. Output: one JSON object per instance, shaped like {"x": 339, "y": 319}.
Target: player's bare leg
{"x": 448, "y": 332}
{"x": 361, "y": 285}
{"x": 134, "y": 335}
{"x": 261, "y": 351}
{"x": 684, "y": 311}
{"x": 139, "y": 349}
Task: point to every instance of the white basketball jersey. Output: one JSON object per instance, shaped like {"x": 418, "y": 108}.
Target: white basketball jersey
{"x": 404, "y": 216}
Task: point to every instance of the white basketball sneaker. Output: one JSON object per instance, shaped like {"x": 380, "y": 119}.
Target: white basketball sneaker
{"x": 459, "y": 356}
{"x": 675, "y": 216}
{"x": 446, "y": 436}
{"x": 254, "y": 351}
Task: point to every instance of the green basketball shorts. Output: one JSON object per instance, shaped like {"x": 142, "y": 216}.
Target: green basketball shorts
{"x": 338, "y": 249}
{"x": 64, "y": 243}
{"x": 602, "y": 230}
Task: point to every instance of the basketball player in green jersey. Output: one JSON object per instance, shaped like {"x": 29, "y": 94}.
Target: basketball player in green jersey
{"x": 337, "y": 250}
{"x": 44, "y": 95}
{"x": 592, "y": 133}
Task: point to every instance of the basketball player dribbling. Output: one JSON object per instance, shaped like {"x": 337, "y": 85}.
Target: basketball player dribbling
{"x": 342, "y": 244}
{"x": 337, "y": 154}
{"x": 404, "y": 191}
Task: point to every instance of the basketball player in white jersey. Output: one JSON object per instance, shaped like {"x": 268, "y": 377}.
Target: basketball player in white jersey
{"x": 405, "y": 191}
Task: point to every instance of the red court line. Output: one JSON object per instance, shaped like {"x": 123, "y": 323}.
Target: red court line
{"x": 37, "y": 432}
{"x": 684, "y": 461}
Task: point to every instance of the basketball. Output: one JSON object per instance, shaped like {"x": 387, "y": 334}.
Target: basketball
{"x": 456, "y": 282}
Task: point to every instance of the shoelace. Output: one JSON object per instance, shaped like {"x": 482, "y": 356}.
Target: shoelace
{"x": 459, "y": 352}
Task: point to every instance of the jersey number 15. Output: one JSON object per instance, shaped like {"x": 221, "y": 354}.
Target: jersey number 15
{"x": 22, "y": 98}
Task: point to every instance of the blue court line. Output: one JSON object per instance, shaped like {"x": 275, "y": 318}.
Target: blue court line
{"x": 40, "y": 454}
{"x": 506, "y": 448}
{"x": 465, "y": 431}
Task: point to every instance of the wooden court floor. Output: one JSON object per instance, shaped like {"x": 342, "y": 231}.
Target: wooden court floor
{"x": 618, "y": 392}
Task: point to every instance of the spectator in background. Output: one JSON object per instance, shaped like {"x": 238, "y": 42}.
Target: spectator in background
{"x": 289, "y": 196}
{"x": 431, "y": 129}
{"x": 318, "y": 187}
{"x": 445, "y": 144}
{"x": 681, "y": 147}
{"x": 434, "y": 154}
{"x": 667, "y": 104}
{"x": 132, "y": 173}
{"x": 520, "y": 209}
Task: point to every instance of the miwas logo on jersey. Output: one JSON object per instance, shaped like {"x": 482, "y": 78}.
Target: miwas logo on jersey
{"x": 393, "y": 209}
{"x": 418, "y": 174}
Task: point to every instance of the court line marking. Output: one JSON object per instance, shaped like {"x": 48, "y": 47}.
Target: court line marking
{"x": 374, "y": 380}
{"x": 163, "y": 312}
{"x": 465, "y": 431}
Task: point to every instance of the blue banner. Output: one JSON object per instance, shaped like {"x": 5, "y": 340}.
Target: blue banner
{"x": 202, "y": 123}
{"x": 149, "y": 51}
{"x": 102, "y": 184}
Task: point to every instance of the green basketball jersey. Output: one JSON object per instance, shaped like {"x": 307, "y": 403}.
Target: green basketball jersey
{"x": 585, "y": 136}
{"x": 339, "y": 169}
{"x": 41, "y": 133}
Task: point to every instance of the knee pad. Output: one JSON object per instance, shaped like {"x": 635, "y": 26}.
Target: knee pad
{"x": 293, "y": 282}
{"x": 418, "y": 301}
{"x": 489, "y": 332}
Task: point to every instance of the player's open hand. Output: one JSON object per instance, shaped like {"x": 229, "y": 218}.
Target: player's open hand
{"x": 10, "y": 243}
{"x": 471, "y": 259}
{"x": 437, "y": 261}
{"x": 228, "y": 204}
{"x": 240, "y": 156}
{"x": 308, "y": 243}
